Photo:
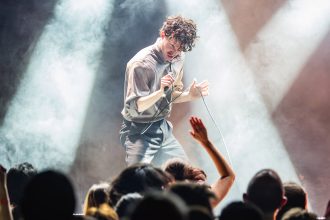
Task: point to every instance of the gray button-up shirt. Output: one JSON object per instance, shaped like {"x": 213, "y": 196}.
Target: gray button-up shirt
{"x": 143, "y": 75}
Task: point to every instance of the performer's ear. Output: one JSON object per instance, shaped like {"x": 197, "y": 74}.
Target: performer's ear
{"x": 162, "y": 34}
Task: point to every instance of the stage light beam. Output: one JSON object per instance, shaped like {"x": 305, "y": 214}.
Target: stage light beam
{"x": 283, "y": 46}
{"x": 44, "y": 121}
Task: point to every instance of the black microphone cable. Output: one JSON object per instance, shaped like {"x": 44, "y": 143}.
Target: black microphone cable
{"x": 221, "y": 135}
{"x": 216, "y": 125}
{"x": 157, "y": 113}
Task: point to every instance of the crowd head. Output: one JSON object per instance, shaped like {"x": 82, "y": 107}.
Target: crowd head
{"x": 143, "y": 191}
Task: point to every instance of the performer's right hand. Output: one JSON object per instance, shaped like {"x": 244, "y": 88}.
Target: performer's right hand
{"x": 166, "y": 81}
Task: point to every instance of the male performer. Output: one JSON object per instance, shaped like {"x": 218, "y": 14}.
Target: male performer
{"x": 153, "y": 81}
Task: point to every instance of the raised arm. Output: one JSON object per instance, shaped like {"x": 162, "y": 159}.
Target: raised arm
{"x": 327, "y": 211}
{"x": 227, "y": 175}
{"x": 5, "y": 213}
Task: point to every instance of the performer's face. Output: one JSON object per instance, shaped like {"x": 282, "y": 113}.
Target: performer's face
{"x": 171, "y": 48}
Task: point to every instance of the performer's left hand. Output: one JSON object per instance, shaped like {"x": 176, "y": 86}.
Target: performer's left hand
{"x": 198, "y": 90}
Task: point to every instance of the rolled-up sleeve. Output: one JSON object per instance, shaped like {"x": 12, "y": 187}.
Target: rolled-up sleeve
{"x": 138, "y": 85}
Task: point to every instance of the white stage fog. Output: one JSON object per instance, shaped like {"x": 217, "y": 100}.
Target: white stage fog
{"x": 267, "y": 63}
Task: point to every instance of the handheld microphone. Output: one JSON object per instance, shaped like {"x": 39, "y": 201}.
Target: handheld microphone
{"x": 170, "y": 73}
{"x": 166, "y": 87}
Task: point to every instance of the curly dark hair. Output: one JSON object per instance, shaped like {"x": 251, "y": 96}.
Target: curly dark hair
{"x": 182, "y": 29}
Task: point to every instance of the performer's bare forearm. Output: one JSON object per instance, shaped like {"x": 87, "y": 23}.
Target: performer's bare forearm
{"x": 179, "y": 97}
{"x": 143, "y": 103}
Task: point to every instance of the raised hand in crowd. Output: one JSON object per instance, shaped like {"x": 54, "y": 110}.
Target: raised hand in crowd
{"x": 5, "y": 213}
{"x": 327, "y": 211}
{"x": 227, "y": 175}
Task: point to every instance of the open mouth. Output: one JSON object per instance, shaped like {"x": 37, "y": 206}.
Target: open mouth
{"x": 170, "y": 56}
